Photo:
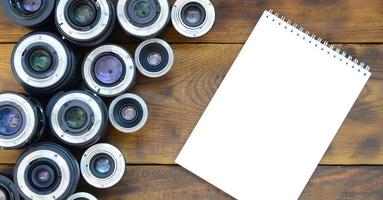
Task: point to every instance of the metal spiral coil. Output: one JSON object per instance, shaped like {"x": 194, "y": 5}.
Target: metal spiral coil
{"x": 330, "y": 48}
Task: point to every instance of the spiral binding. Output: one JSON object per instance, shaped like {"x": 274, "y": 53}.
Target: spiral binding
{"x": 349, "y": 60}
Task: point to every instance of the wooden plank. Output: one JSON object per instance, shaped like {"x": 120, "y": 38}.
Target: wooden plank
{"x": 336, "y": 21}
{"x": 152, "y": 182}
{"x": 158, "y": 182}
{"x": 345, "y": 183}
{"x": 177, "y": 100}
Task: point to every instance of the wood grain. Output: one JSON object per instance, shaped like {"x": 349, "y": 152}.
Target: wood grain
{"x": 336, "y": 21}
{"x": 177, "y": 100}
{"x": 167, "y": 182}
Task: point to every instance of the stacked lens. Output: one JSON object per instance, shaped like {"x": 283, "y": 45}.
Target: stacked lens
{"x": 50, "y": 66}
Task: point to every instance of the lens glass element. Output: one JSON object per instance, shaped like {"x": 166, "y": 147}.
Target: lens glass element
{"x": 76, "y": 117}
{"x": 42, "y": 176}
{"x": 31, "y": 5}
{"x": 102, "y": 165}
{"x": 108, "y": 69}
{"x": 40, "y": 61}
{"x": 84, "y": 14}
{"x": 129, "y": 113}
{"x": 10, "y": 120}
{"x": 154, "y": 58}
{"x": 193, "y": 15}
{"x": 142, "y": 8}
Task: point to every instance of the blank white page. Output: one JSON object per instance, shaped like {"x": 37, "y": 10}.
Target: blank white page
{"x": 274, "y": 115}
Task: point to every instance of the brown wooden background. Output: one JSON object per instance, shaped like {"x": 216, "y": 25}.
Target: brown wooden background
{"x": 353, "y": 165}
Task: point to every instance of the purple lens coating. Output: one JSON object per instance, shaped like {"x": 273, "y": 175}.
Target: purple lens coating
{"x": 103, "y": 165}
{"x": 154, "y": 58}
{"x": 43, "y": 175}
{"x": 193, "y": 15}
{"x": 128, "y": 113}
{"x": 108, "y": 69}
{"x": 10, "y": 120}
{"x": 31, "y": 5}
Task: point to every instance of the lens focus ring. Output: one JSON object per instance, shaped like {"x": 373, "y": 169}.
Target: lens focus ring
{"x": 8, "y": 190}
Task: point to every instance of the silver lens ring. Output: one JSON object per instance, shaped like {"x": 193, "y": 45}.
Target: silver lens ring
{"x": 154, "y": 74}
{"x": 81, "y": 196}
{"x": 29, "y": 129}
{"x": 148, "y": 31}
{"x": 62, "y": 61}
{"x": 61, "y": 176}
{"x": 115, "y": 107}
{"x": 104, "y": 22}
{"x": 119, "y": 165}
{"x": 49, "y": 155}
{"x": 91, "y": 132}
{"x": 114, "y": 90}
{"x": 190, "y": 31}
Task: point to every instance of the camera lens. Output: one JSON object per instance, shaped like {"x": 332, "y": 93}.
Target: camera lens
{"x": 22, "y": 120}
{"x": 143, "y": 18}
{"x": 128, "y": 113}
{"x": 82, "y": 196}
{"x": 154, "y": 58}
{"x": 43, "y": 63}
{"x": 77, "y": 118}
{"x": 85, "y": 22}
{"x": 29, "y": 13}
{"x": 46, "y": 171}
{"x": 102, "y": 165}
{"x": 109, "y": 70}
{"x": 8, "y": 190}
{"x": 193, "y": 18}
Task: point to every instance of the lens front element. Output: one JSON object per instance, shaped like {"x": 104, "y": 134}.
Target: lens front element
{"x": 10, "y": 120}
{"x": 108, "y": 69}
{"x": 76, "y": 117}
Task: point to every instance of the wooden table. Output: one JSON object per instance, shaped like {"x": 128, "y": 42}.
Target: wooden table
{"x": 353, "y": 165}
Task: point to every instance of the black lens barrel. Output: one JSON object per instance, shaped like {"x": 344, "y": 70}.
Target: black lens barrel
{"x": 24, "y": 15}
{"x": 62, "y": 72}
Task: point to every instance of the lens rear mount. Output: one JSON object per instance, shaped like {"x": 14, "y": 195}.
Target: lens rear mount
{"x": 110, "y": 175}
{"x": 111, "y": 77}
{"x": 30, "y": 15}
{"x": 27, "y": 116}
{"x": 85, "y": 22}
{"x": 154, "y": 58}
{"x": 77, "y": 118}
{"x": 128, "y": 113}
{"x": 62, "y": 63}
{"x": 143, "y": 18}
{"x": 46, "y": 171}
{"x": 193, "y": 18}
{"x": 82, "y": 196}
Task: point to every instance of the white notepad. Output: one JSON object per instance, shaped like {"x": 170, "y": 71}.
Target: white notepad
{"x": 275, "y": 114}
